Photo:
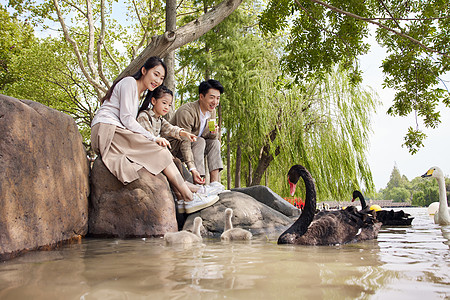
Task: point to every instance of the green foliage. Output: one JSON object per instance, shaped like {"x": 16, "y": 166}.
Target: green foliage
{"x": 397, "y": 180}
{"x": 47, "y": 73}
{"x": 48, "y": 70}
{"x": 412, "y": 70}
{"x": 414, "y": 140}
{"x": 324, "y": 126}
{"x": 16, "y": 37}
{"x": 425, "y": 191}
{"x": 321, "y": 37}
{"x": 398, "y": 194}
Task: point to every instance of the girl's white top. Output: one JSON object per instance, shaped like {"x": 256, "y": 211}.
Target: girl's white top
{"x": 122, "y": 108}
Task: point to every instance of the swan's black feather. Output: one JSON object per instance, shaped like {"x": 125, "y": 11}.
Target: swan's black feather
{"x": 387, "y": 217}
{"x": 327, "y": 227}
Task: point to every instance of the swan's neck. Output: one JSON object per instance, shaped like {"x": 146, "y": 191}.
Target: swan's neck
{"x": 228, "y": 224}
{"x": 301, "y": 225}
{"x": 196, "y": 229}
{"x": 363, "y": 202}
{"x": 443, "y": 205}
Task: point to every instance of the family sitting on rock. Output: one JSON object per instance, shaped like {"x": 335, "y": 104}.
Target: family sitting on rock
{"x": 128, "y": 142}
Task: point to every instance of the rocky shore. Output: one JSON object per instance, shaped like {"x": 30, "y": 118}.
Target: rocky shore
{"x": 49, "y": 195}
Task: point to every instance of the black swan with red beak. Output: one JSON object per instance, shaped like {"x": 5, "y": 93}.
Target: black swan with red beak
{"x": 387, "y": 217}
{"x": 326, "y": 227}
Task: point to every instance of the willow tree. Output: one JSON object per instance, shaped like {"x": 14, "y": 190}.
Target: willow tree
{"x": 273, "y": 123}
{"x": 326, "y": 127}
{"x": 248, "y": 112}
{"x": 414, "y": 33}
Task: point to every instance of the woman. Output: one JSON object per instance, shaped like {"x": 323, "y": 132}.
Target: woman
{"x": 123, "y": 144}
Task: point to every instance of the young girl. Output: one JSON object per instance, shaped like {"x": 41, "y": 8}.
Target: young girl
{"x": 152, "y": 120}
{"x": 123, "y": 144}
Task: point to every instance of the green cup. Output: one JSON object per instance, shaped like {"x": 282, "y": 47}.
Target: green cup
{"x": 212, "y": 125}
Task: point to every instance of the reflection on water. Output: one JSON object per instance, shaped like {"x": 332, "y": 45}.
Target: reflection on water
{"x": 404, "y": 262}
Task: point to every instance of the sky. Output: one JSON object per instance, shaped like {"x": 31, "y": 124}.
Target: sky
{"x": 386, "y": 149}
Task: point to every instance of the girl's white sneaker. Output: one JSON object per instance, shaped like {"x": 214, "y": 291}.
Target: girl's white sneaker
{"x": 199, "y": 202}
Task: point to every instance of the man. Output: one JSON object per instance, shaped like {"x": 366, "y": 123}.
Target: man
{"x": 194, "y": 117}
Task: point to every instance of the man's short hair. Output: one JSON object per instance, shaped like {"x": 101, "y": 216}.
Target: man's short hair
{"x": 204, "y": 86}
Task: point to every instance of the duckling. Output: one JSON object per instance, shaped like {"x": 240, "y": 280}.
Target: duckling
{"x": 231, "y": 233}
{"x": 185, "y": 237}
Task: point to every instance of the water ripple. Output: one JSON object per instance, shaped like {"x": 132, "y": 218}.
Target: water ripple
{"x": 406, "y": 262}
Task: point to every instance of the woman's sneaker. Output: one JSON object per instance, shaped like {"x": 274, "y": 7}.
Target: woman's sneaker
{"x": 199, "y": 202}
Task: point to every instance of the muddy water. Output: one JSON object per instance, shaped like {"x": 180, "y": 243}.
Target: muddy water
{"x": 403, "y": 263}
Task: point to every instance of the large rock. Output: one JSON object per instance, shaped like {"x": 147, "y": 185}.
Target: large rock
{"x": 143, "y": 208}
{"x": 265, "y": 195}
{"x": 44, "y": 182}
{"x": 248, "y": 213}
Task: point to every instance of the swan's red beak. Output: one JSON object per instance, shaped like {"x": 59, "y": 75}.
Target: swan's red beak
{"x": 292, "y": 187}
{"x": 353, "y": 199}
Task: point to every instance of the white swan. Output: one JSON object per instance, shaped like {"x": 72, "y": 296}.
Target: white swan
{"x": 442, "y": 217}
{"x": 231, "y": 233}
{"x": 433, "y": 208}
{"x": 185, "y": 237}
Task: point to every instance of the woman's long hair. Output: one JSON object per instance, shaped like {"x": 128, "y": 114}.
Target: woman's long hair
{"x": 150, "y": 63}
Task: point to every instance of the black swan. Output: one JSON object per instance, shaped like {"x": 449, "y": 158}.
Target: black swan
{"x": 387, "y": 217}
{"x": 185, "y": 237}
{"x": 230, "y": 233}
{"x": 327, "y": 227}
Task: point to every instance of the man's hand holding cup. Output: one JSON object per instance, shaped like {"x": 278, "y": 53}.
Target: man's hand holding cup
{"x": 212, "y": 125}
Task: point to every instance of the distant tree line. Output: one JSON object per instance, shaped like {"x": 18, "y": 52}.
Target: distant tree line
{"x": 419, "y": 191}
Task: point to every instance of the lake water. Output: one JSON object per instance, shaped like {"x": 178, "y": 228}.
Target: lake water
{"x": 403, "y": 263}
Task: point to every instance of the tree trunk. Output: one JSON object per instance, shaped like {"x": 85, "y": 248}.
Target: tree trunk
{"x": 265, "y": 158}
{"x": 263, "y": 164}
{"x": 169, "y": 41}
{"x": 207, "y": 70}
{"x": 228, "y": 161}
{"x": 237, "y": 174}
{"x": 219, "y": 121}
{"x": 169, "y": 59}
{"x": 250, "y": 172}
